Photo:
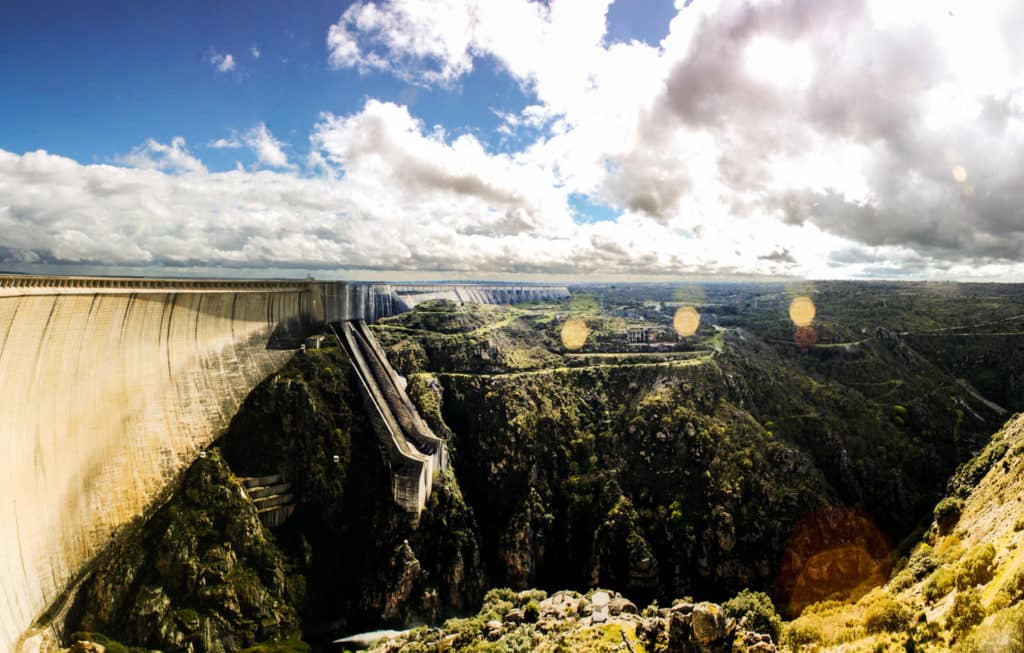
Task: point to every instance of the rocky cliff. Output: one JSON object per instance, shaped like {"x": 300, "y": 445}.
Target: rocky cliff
{"x": 204, "y": 575}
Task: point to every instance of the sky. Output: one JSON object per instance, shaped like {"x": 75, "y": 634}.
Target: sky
{"x": 565, "y": 139}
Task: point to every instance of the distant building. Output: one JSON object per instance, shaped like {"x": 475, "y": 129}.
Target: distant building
{"x": 637, "y": 335}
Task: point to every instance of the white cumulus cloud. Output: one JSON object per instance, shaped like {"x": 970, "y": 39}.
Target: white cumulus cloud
{"x": 826, "y": 138}
{"x": 222, "y": 62}
{"x": 891, "y": 125}
{"x": 172, "y": 157}
{"x": 268, "y": 150}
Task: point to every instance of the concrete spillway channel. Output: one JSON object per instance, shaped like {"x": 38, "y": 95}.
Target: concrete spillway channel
{"x": 415, "y": 454}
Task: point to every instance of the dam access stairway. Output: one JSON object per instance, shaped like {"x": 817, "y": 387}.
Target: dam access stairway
{"x": 272, "y": 496}
{"x": 415, "y": 454}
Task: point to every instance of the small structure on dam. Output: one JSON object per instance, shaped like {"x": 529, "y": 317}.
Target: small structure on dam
{"x": 112, "y": 387}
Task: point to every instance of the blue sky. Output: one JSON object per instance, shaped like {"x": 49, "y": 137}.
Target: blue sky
{"x": 484, "y": 139}
{"x": 93, "y": 80}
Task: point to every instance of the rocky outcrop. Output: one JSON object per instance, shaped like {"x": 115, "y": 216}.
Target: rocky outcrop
{"x": 598, "y": 621}
{"x": 353, "y": 557}
{"x": 202, "y": 576}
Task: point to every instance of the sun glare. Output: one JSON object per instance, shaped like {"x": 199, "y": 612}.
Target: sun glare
{"x": 686, "y": 321}
{"x": 786, "y": 65}
{"x": 574, "y": 334}
{"x": 802, "y": 311}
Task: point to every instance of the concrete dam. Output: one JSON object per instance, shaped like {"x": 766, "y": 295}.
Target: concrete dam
{"x": 112, "y": 387}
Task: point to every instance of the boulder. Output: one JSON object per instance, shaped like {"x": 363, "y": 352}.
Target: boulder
{"x": 562, "y": 605}
{"x": 599, "y": 607}
{"x": 709, "y": 623}
{"x": 494, "y": 629}
{"x": 679, "y": 618}
{"x": 620, "y": 605}
{"x": 515, "y": 616}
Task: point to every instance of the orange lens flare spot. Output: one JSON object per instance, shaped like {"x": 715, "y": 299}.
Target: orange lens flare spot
{"x": 834, "y": 553}
{"x": 686, "y": 321}
{"x": 960, "y": 173}
{"x": 801, "y": 311}
{"x": 574, "y": 334}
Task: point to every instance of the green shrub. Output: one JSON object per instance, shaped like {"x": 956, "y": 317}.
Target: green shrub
{"x": 966, "y": 613}
{"x": 534, "y": 595}
{"x": 940, "y": 583}
{"x": 497, "y": 603}
{"x": 1013, "y": 586}
{"x": 754, "y": 611}
{"x": 800, "y": 633}
{"x": 947, "y": 512}
{"x": 921, "y": 564}
{"x": 531, "y": 613}
{"x": 1004, "y": 632}
{"x": 976, "y": 567}
{"x": 887, "y": 615}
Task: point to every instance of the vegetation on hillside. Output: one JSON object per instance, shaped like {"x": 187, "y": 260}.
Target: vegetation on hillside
{"x": 834, "y": 472}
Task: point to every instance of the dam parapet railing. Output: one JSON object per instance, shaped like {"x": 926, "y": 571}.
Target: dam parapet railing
{"x": 17, "y": 284}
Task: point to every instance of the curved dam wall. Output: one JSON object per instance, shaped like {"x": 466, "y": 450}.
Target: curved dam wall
{"x": 370, "y": 301}
{"x": 405, "y": 297}
{"x": 107, "y": 394}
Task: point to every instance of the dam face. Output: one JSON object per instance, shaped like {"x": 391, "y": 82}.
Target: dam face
{"x": 111, "y": 387}
{"x": 107, "y": 395}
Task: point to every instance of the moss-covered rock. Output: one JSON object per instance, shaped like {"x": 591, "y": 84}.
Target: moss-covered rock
{"x": 201, "y": 575}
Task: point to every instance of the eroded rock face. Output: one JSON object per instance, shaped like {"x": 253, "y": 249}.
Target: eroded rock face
{"x": 189, "y": 579}
{"x": 201, "y": 576}
{"x": 600, "y": 621}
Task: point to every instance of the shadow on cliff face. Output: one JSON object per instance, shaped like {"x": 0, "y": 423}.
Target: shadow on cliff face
{"x": 346, "y": 558}
{"x": 364, "y": 563}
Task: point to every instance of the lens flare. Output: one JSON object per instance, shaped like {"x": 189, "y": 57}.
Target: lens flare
{"x": 960, "y": 173}
{"x": 574, "y": 334}
{"x": 802, "y": 311}
{"x": 686, "y": 321}
{"x": 835, "y": 552}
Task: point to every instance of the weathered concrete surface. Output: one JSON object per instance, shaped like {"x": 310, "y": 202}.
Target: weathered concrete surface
{"x": 105, "y": 397}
